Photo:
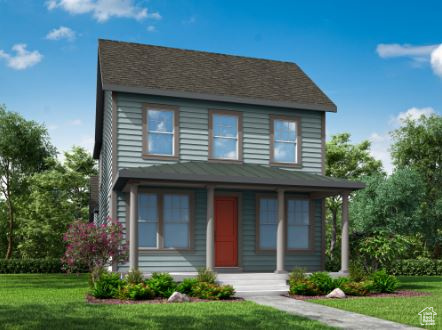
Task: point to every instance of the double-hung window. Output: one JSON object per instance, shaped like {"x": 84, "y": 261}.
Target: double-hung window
{"x": 160, "y": 132}
{"x": 268, "y": 219}
{"x": 164, "y": 220}
{"x": 285, "y": 140}
{"x": 298, "y": 224}
{"x": 225, "y": 139}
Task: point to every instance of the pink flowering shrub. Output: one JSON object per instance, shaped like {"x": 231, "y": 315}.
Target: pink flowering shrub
{"x": 93, "y": 246}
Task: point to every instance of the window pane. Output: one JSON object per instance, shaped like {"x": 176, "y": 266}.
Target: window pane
{"x": 147, "y": 207}
{"x": 284, "y": 152}
{"x": 267, "y": 236}
{"x": 284, "y": 130}
{"x": 298, "y": 237}
{"x": 147, "y": 234}
{"x": 160, "y": 121}
{"x": 160, "y": 144}
{"x": 225, "y": 125}
{"x": 298, "y": 212}
{"x": 176, "y": 235}
{"x": 225, "y": 148}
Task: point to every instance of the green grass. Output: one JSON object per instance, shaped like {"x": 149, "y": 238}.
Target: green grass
{"x": 58, "y": 302}
{"x": 402, "y": 310}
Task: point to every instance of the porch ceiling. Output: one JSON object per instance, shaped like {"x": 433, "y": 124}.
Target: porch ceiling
{"x": 233, "y": 174}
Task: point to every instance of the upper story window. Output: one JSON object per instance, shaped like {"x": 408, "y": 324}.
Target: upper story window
{"x": 160, "y": 131}
{"x": 285, "y": 141}
{"x": 225, "y": 135}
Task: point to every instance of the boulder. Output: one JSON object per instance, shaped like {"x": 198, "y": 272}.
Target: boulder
{"x": 178, "y": 297}
{"x": 336, "y": 293}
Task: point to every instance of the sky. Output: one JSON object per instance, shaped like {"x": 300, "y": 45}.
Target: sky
{"x": 379, "y": 61}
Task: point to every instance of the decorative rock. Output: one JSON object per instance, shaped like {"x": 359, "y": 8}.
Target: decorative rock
{"x": 178, "y": 297}
{"x": 336, "y": 293}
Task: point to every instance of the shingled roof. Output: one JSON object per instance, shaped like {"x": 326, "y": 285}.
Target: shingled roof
{"x": 164, "y": 71}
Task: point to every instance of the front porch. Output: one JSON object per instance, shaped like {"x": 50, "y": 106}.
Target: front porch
{"x": 261, "y": 243}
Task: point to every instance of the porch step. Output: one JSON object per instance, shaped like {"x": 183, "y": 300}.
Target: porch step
{"x": 250, "y": 284}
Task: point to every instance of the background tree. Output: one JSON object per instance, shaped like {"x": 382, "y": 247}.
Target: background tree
{"x": 418, "y": 145}
{"x": 24, "y": 146}
{"x": 57, "y": 197}
{"x": 345, "y": 160}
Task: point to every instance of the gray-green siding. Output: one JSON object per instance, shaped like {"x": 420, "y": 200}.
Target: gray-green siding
{"x": 193, "y": 136}
{"x": 250, "y": 260}
{"x": 105, "y": 163}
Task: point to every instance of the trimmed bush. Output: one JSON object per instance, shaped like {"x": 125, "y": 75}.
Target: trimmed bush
{"x": 134, "y": 277}
{"x": 206, "y": 275}
{"x": 212, "y": 291}
{"x": 416, "y": 267}
{"x": 323, "y": 282}
{"x": 139, "y": 291}
{"x": 107, "y": 285}
{"x": 162, "y": 284}
{"x": 356, "y": 288}
{"x": 187, "y": 285}
{"x": 384, "y": 283}
{"x": 17, "y": 266}
{"x": 303, "y": 287}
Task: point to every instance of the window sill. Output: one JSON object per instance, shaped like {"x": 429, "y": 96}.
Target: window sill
{"x": 159, "y": 157}
{"x": 288, "y": 251}
{"x": 163, "y": 250}
{"x": 225, "y": 161}
{"x": 291, "y": 165}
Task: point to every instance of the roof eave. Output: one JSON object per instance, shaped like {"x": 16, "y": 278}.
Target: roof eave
{"x": 219, "y": 98}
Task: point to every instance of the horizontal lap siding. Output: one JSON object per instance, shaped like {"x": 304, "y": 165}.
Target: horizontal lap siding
{"x": 106, "y": 160}
{"x": 174, "y": 261}
{"x": 193, "y": 137}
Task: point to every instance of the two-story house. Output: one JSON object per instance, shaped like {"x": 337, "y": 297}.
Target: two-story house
{"x": 212, "y": 160}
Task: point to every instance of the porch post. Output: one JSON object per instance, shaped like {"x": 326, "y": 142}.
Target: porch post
{"x": 210, "y": 229}
{"x": 133, "y": 227}
{"x": 280, "y": 234}
{"x": 345, "y": 251}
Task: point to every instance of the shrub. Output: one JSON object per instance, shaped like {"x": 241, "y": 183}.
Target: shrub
{"x": 93, "y": 246}
{"x": 95, "y": 275}
{"x": 416, "y": 267}
{"x": 107, "y": 285}
{"x": 322, "y": 281}
{"x": 340, "y": 281}
{"x": 382, "y": 282}
{"x": 187, "y": 285}
{"x": 162, "y": 284}
{"x": 139, "y": 291}
{"x": 134, "y": 277}
{"x": 304, "y": 287}
{"x": 205, "y": 290}
{"x": 297, "y": 274}
{"x": 206, "y": 275}
{"x": 356, "y": 288}
{"x": 15, "y": 266}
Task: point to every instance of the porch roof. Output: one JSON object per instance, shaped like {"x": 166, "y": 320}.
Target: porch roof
{"x": 234, "y": 174}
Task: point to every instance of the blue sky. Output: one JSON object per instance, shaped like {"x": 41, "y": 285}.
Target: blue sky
{"x": 376, "y": 60}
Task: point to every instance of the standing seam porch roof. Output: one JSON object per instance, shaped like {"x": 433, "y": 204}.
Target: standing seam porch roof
{"x": 251, "y": 174}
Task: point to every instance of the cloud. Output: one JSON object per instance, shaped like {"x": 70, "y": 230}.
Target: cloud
{"x": 436, "y": 61}
{"x": 62, "y": 32}
{"x": 419, "y": 54}
{"x": 190, "y": 20}
{"x": 381, "y": 142}
{"x": 23, "y": 58}
{"x": 102, "y": 10}
{"x": 75, "y": 122}
{"x": 151, "y": 28}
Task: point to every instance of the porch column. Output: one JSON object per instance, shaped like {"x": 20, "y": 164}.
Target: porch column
{"x": 133, "y": 227}
{"x": 210, "y": 229}
{"x": 345, "y": 251}
{"x": 280, "y": 234}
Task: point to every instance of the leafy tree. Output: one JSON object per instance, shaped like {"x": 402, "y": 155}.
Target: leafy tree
{"x": 56, "y": 198}
{"x": 418, "y": 145}
{"x": 349, "y": 161}
{"x": 24, "y": 146}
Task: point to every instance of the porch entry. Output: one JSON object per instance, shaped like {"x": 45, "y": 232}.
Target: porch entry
{"x": 226, "y": 231}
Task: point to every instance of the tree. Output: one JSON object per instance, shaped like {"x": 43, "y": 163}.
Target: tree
{"x": 348, "y": 161}
{"x": 24, "y": 146}
{"x": 418, "y": 145}
{"x": 57, "y": 197}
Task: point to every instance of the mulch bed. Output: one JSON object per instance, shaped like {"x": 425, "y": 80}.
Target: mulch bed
{"x": 92, "y": 300}
{"x": 400, "y": 293}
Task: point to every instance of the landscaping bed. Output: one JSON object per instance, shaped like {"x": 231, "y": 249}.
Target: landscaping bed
{"x": 399, "y": 293}
{"x": 158, "y": 300}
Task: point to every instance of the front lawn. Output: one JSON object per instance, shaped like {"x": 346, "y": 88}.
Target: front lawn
{"x": 58, "y": 302}
{"x": 398, "y": 309}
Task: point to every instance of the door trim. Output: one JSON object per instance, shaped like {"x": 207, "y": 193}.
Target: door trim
{"x": 238, "y": 197}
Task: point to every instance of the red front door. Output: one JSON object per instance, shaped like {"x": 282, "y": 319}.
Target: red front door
{"x": 226, "y": 231}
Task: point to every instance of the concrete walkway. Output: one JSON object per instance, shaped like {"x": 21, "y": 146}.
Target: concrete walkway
{"x": 327, "y": 315}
